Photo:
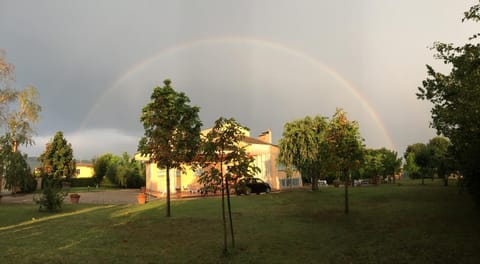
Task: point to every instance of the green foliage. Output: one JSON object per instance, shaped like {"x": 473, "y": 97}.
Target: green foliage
{"x": 303, "y": 147}
{"x": 14, "y": 167}
{"x": 345, "y": 145}
{"x": 82, "y": 182}
{"x": 428, "y": 160}
{"x": 454, "y": 96}
{"x": 118, "y": 171}
{"x": 100, "y": 166}
{"x": 52, "y": 196}
{"x": 172, "y": 131}
{"x": 380, "y": 162}
{"x": 57, "y": 159}
{"x": 172, "y": 128}
{"x": 411, "y": 168}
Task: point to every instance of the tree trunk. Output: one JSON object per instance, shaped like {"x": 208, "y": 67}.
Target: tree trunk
{"x": 445, "y": 179}
{"x": 168, "y": 191}
{"x": 345, "y": 177}
{"x": 223, "y": 210}
{"x": 15, "y": 147}
{"x": 230, "y": 213}
{"x": 314, "y": 183}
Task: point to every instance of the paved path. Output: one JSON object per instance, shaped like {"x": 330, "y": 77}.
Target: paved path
{"x": 127, "y": 196}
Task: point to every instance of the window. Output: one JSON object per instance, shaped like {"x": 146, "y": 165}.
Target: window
{"x": 289, "y": 182}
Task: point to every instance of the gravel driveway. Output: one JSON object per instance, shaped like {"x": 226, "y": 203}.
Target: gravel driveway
{"x": 127, "y": 196}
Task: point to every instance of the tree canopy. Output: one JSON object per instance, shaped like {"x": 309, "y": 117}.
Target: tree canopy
{"x": 303, "y": 146}
{"x": 57, "y": 159}
{"x": 454, "y": 96}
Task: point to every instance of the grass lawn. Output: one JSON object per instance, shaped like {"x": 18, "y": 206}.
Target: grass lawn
{"x": 402, "y": 223}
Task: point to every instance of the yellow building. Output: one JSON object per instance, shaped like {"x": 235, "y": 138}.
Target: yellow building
{"x": 261, "y": 148}
{"x": 84, "y": 170}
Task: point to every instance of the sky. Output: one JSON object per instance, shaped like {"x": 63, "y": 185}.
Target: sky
{"x": 264, "y": 63}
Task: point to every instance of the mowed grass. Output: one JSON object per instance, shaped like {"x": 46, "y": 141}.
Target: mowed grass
{"x": 406, "y": 223}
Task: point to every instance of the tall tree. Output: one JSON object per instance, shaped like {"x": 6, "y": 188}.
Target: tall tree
{"x": 303, "y": 146}
{"x": 172, "y": 131}
{"x": 226, "y": 161}
{"x": 57, "y": 159}
{"x": 345, "y": 146}
{"x": 454, "y": 96}
{"x": 19, "y": 109}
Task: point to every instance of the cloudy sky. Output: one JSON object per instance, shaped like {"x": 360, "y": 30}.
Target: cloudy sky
{"x": 262, "y": 62}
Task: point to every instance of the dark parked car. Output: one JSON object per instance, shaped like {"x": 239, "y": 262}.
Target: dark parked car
{"x": 252, "y": 185}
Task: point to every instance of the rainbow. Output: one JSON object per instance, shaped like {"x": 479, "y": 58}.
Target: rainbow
{"x": 132, "y": 71}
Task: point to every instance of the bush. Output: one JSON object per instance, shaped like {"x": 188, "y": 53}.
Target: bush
{"x": 52, "y": 197}
{"x": 83, "y": 182}
{"x": 107, "y": 183}
{"x": 135, "y": 181}
{"x": 29, "y": 184}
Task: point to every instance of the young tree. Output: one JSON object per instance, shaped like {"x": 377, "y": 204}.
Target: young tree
{"x": 226, "y": 161}
{"x": 455, "y": 102}
{"x": 303, "y": 146}
{"x": 345, "y": 146}
{"x": 172, "y": 131}
{"x": 57, "y": 159}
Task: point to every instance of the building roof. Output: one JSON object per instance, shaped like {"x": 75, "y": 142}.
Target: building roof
{"x": 251, "y": 140}
{"x": 82, "y": 164}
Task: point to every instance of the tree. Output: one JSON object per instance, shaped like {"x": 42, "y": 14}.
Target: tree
{"x": 18, "y": 108}
{"x": 121, "y": 171}
{"x": 57, "y": 159}
{"x": 420, "y": 154}
{"x": 100, "y": 166}
{"x": 345, "y": 146}
{"x": 372, "y": 165}
{"x": 454, "y": 95}
{"x": 440, "y": 160}
{"x": 14, "y": 167}
{"x": 410, "y": 167}
{"x": 303, "y": 146}
{"x": 172, "y": 131}
{"x": 226, "y": 161}
{"x": 382, "y": 162}
{"x": 390, "y": 162}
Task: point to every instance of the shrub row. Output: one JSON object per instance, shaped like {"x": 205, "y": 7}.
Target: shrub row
{"x": 82, "y": 182}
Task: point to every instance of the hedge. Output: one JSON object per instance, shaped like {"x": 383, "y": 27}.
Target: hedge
{"x": 82, "y": 182}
